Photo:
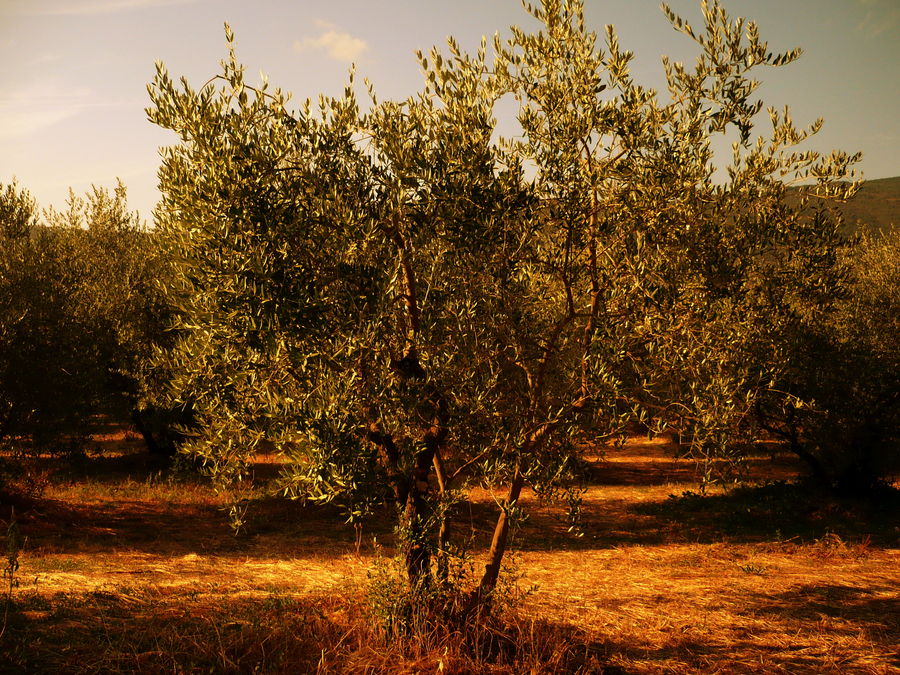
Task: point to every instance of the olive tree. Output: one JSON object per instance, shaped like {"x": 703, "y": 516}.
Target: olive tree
{"x": 18, "y": 216}
{"x": 315, "y": 258}
{"x": 79, "y": 316}
{"x": 842, "y": 414}
{"x": 649, "y": 289}
{"x": 48, "y": 380}
{"x": 404, "y": 303}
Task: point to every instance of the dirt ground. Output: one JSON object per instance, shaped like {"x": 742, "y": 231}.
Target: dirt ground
{"x": 661, "y": 580}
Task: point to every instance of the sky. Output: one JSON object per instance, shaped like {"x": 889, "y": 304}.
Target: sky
{"x": 73, "y": 73}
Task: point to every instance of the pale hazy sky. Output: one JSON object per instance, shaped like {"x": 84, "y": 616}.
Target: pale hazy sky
{"x": 74, "y": 72}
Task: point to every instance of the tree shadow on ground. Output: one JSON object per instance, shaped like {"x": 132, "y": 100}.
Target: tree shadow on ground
{"x": 166, "y": 631}
{"x": 832, "y": 628}
{"x": 275, "y": 527}
{"x": 776, "y": 511}
{"x": 182, "y": 630}
{"x": 874, "y": 608}
{"x": 122, "y": 500}
{"x": 654, "y": 464}
{"x": 784, "y": 510}
{"x": 833, "y": 609}
{"x": 104, "y": 632}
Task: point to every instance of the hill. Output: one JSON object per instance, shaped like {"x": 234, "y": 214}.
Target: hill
{"x": 876, "y": 206}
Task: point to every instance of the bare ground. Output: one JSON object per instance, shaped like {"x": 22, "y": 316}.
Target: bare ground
{"x": 659, "y": 582}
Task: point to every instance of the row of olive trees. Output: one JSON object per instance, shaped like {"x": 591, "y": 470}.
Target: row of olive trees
{"x": 405, "y": 304}
{"x": 80, "y": 312}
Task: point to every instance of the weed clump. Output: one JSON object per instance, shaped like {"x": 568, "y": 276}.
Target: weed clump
{"x": 444, "y": 625}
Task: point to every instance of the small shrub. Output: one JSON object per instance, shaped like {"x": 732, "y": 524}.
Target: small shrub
{"x": 441, "y": 624}
{"x": 422, "y": 614}
{"x": 832, "y": 545}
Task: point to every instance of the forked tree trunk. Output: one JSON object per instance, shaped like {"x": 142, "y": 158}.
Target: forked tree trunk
{"x": 419, "y": 505}
{"x": 409, "y": 369}
{"x": 389, "y": 456}
{"x": 150, "y": 441}
{"x": 500, "y": 540}
{"x": 790, "y": 433}
{"x": 410, "y": 492}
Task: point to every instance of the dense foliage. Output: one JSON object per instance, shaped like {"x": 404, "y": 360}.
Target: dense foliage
{"x": 842, "y": 370}
{"x": 402, "y": 303}
{"x": 79, "y": 314}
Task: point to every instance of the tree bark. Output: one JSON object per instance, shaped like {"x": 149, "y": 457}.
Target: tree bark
{"x": 500, "y": 539}
{"x": 153, "y": 447}
{"x": 390, "y": 459}
{"x": 418, "y": 553}
{"x": 409, "y": 369}
{"x": 443, "y": 568}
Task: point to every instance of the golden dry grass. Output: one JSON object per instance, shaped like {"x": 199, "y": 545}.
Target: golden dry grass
{"x": 727, "y": 608}
{"x": 655, "y": 585}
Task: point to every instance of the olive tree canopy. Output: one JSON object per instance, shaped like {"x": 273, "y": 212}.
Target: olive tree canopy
{"x": 404, "y": 303}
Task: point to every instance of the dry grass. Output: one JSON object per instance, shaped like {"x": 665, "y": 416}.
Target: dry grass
{"x": 127, "y": 570}
{"x": 729, "y": 608}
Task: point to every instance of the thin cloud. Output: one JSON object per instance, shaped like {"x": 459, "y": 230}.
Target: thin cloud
{"x": 338, "y": 45}
{"x": 44, "y": 58}
{"x": 881, "y": 17}
{"x": 28, "y": 111}
{"x": 15, "y": 124}
{"x": 89, "y": 7}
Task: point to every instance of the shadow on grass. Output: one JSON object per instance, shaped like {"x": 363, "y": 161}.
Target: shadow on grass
{"x": 776, "y": 511}
{"x": 660, "y": 466}
{"x": 275, "y": 527}
{"x": 876, "y": 609}
{"x": 870, "y": 615}
{"x": 288, "y": 528}
{"x": 105, "y": 632}
{"x": 171, "y": 516}
{"x": 123, "y": 502}
{"x": 782, "y": 510}
{"x": 812, "y": 628}
{"x": 155, "y": 632}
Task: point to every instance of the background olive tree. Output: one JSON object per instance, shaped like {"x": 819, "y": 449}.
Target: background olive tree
{"x": 843, "y": 412}
{"x": 80, "y": 314}
{"x": 404, "y": 304}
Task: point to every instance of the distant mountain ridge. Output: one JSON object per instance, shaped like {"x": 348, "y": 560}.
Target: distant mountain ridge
{"x": 875, "y": 207}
